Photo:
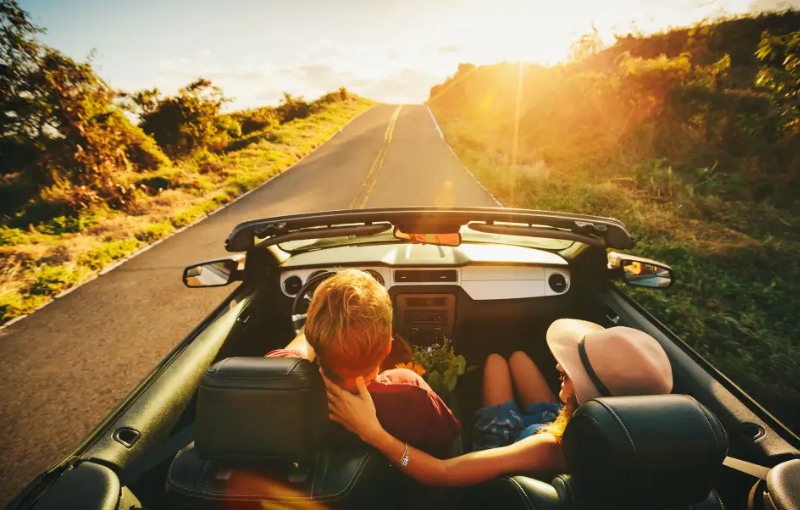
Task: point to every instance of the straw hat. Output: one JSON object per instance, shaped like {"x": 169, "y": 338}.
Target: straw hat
{"x": 617, "y": 361}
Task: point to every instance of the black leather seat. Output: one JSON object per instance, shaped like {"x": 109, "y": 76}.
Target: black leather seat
{"x": 626, "y": 453}
{"x": 263, "y": 438}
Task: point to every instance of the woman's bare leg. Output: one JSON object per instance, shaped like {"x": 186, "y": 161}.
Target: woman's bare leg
{"x": 497, "y": 387}
{"x": 528, "y": 380}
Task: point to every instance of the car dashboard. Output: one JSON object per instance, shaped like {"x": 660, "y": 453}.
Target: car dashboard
{"x": 436, "y": 288}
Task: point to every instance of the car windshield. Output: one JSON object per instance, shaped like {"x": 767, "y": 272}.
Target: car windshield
{"x": 467, "y": 236}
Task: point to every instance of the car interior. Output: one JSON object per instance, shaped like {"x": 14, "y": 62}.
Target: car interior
{"x": 217, "y": 425}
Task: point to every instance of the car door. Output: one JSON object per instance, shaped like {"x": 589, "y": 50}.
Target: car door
{"x": 754, "y": 434}
{"x": 102, "y": 472}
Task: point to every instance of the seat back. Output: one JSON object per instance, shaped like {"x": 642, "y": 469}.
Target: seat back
{"x": 261, "y": 409}
{"x": 645, "y": 450}
{"x": 262, "y": 438}
{"x": 639, "y": 452}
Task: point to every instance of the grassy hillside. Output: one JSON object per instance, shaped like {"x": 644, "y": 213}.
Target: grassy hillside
{"x": 83, "y": 185}
{"x": 670, "y": 134}
{"x": 43, "y": 257}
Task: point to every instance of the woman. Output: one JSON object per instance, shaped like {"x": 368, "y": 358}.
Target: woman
{"x": 594, "y": 362}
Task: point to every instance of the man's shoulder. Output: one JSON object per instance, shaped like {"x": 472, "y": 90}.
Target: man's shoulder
{"x": 399, "y": 379}
{"x": 404, "y": 385}
{"x": 284, "y": 353}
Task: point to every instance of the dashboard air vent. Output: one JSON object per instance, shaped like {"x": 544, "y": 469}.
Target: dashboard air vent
{"x": 291, "y": 286}
{"x": 425, "y": 276}
{"x": 557, "y": 282}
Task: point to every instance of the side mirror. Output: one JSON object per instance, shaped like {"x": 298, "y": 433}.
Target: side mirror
{"x": 639, "y": 271}
{"x": 214, "y": 273}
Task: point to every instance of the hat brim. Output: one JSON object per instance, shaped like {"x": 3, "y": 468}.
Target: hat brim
{"x": 563, "y": 337}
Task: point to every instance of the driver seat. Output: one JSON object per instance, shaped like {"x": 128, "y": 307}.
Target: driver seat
{"x": 639, "y": 452}
{"x": 263, "y": 439}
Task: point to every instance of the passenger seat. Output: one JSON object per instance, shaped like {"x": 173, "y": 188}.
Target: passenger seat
{"x": 638, "y": 452}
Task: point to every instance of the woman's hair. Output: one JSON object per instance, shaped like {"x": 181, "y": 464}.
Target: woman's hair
{"x": 559, "y": 425}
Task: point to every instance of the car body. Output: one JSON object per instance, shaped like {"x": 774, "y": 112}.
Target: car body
{"x": 492, "y": 280}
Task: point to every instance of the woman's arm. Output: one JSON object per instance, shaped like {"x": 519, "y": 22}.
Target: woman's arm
{"x": 540, "y": 452}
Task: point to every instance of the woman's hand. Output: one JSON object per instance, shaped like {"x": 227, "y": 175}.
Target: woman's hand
{"x": 355, "y": 412}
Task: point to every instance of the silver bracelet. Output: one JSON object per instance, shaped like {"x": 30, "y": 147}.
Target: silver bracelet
{"x": 403, "y": 462}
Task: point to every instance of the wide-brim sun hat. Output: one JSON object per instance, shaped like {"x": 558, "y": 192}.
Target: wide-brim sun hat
{"x": 618, "y": 361}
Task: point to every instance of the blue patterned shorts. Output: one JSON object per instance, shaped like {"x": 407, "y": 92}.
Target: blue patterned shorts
{"x": 505, "y": 423}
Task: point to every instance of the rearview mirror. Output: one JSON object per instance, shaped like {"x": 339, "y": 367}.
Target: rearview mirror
{"x": 443, "y": 239}
{"x": 214, "y": 273}
{"x": 640, "y": 272}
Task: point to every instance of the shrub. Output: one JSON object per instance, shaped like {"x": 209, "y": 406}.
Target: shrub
{"x": 110, "y": 252}
{"x": 50, "y": 280}
{"x": 155, "y": 232}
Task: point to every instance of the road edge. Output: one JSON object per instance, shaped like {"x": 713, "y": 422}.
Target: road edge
{"x": 469, "y": 172}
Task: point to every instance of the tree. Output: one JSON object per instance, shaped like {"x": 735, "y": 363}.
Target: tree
{"x": 59, "y": 123}
{"x": 587, "y": 45}
{"x": 293, "y": 107}
{"x": 19, "y": 101}
{"x": 188, "y": 122}
{"x": 780, "y": 74}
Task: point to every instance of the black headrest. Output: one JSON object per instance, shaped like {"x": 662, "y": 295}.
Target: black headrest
{"x": 261, "y": 408}
{"x": 644, "y": 450}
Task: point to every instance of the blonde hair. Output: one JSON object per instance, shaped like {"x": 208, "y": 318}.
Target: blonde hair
{"x": 559, "y": 425}
{"x": 349, "y": 323}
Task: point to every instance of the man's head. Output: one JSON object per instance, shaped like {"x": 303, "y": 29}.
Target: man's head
{"x": 349, "y": 325}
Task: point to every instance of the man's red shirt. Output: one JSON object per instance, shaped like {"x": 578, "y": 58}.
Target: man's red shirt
{"x": 407, "y": 408}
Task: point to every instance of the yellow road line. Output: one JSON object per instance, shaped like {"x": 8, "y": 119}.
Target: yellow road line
{"x": 368, "y": 184}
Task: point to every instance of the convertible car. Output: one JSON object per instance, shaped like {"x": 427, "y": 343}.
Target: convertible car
{"x": 217, "y": 425}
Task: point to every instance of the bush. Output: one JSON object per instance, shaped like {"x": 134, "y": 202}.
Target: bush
{"x": 188, "y": 122}
{"x": 155, "y": 232}
{"x": 49, "y": 280}
{"x": 99, "y": 258}
{"x": 256, "y": 119}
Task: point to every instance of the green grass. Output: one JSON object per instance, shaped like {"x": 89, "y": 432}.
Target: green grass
{"x": 41, "y": 261}
{"x": 737, "y": 264}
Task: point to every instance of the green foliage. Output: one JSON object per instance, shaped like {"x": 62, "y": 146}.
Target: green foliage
{"x": 50, "y": 245}
{"x": 703, "y": 167}
{"x": 12, "y": 236}
{"x": 68, "y": 224}
{"x": 188, "y": 122}
{"x": 59, "y": 124}
{"x": 50, "y": 280}
{"x": 781, "y": 74}
{"x": 104, "y": 255}
{"x": 257, "y": 119}
{"x": 293, "y": 107}
{"x": 155, "y": 231}
{"x": 442, "y": 366}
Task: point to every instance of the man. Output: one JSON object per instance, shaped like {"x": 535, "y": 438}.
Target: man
{"x": 349, "y": 330}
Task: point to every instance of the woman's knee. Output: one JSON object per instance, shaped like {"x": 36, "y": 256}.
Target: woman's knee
{"x": 495, "y": 362}
{"x": 520, "y": 357}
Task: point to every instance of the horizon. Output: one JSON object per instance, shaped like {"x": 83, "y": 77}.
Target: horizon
{"x": 384, "y": 51}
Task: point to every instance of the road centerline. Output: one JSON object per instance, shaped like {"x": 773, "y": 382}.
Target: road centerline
{"x": 361, "y": 197}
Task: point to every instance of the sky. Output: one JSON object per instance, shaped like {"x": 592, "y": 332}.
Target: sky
{"x": 388, "y": 50}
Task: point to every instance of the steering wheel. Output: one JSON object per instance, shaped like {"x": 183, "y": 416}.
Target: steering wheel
{"x": 303, "y": 299}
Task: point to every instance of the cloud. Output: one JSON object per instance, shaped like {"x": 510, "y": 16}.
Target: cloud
{"x": 449, "y": 49}
{"x": 403, "y": 86}
{"x": 773, "y": 5}
{"x": 256, "y": 84}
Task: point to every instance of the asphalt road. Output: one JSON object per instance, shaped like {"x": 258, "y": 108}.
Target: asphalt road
{"x": 64, "y": 367}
